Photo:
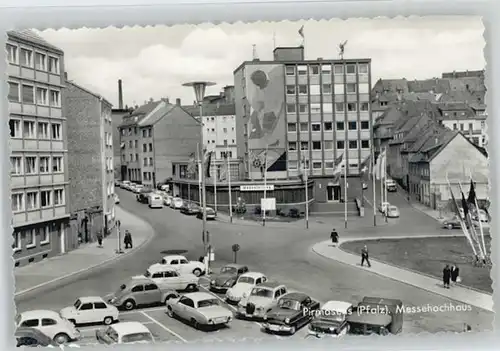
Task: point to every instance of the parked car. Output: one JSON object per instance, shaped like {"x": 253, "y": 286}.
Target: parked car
{"x": 176, "y": 203}
{"x": 167, "y": 200}
{"x": 117, "y": 199}
{"x": 293, "y": 311}
{"x": 261, "y": 300}
{"x": 140, "y": 292}
{"x": 383, "y": 207}
{"x": 392, "y": 212}
{"x": 200, "y": 309}
{"x": 452, "y": 223}
{"x": 227, "y": 277}
{"x": 168, "y": 277}
{"x": 184, "y": 266}
{"x": 155, "y": 201}
{"x": 31, "y": 337}
{"x": 125, "y": 333}
{"x": 50, "y": 323}
{"x": 138, "y": 188}
{"x": 211, "y": 215}
{"x": 375, "y": 315}
{"x": 90, "y": 309}
{"x": 331, "y": 319}
{"x": 124, "y": 184}
{"x": 243, "y": 287}
{"x": 190, "y": 209}
{"x": 391, "y": 185}
{"x": 143, "y": 196}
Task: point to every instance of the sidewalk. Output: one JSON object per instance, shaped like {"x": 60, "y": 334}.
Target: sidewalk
{"x": 224, "y": 217}
{"x": 87, "y": 257}
{"x": 457, "y": 293}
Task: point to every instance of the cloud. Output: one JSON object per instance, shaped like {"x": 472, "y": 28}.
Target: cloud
{"x": 155, "y": 61}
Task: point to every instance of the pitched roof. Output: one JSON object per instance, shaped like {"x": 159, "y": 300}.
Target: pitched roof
{"x": 155, "y": 115}
{"x": 88, "y": 91}
{"x": 146, "y": 108}
{"x": 32, "y": 37}
{"x": 437, "y": 85}
{"x": 215, "y": 109}
{"x": 434, "y": 144}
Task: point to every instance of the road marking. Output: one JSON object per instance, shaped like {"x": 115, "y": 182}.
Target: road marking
{"x": 151, "y": 309}
{"x": 91, "y": 329}
{"x": 164, "y": 327}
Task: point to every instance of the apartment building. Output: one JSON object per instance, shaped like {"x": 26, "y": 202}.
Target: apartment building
{"x": 38, "y": 143}
{"x": 292, "y": 112}
{"x": 90, "y": 161}
{"x": 154, "y": 136}
{"x": 463, "y": 118}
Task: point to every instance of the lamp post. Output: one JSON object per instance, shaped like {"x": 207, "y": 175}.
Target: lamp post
{"x": 199, "y": 88}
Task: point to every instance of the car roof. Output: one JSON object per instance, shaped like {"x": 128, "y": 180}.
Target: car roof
{"x": 270, "y": 284}
{"x": 252, "y": 274}
{"x": 86, "y": 299}
{"x": 235, "y": 265}
{"x": 139, "y": 280}
{"x": 157, "y": 267}
{"x": 34, "y": 314}
{"x": 338, "y": 306}
{"x": 124, "y": 328}
{"x": 174, "y": 257}
{"x": 199, "y": 295}
{"x": 298, "y": 296}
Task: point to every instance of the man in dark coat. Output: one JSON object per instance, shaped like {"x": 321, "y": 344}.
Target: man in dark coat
{"x": 446, "y": 276}
{"x": 364, "y": 256}
{"x": 127, "y": 240}
{"x": 334, "y": 236}
{"x": 455, "y": 272}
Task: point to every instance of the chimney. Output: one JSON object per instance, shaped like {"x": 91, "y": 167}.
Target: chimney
{"x": 65, "y": 75}
{"x": 178, "y": 102}
{"x": 120, "y": 94}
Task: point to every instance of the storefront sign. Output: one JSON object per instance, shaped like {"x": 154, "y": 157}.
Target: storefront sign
{"x": 268, "y": 204}
{"x": 269, "y": 187}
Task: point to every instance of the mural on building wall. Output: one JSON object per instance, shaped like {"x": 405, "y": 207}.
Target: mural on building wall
{"x": 265, "y": 94}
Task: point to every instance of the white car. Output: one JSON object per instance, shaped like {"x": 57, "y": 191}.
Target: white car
{"x": 167, "y": 200}
{"x": 90, "y": 309}
{"x": 176, "y": 203}
{"x": 117, "y": 199}
{"x": 169, "y": 278}
{"x": 244, "y": 285}
{"x": 330, "y": 319}
{"x": 50, "y": 323}
{"x": 383, "y": 207}
{"x": 183, "y": 266}
{"x": 138, "y": 188}
{"x": 125, "y": 333}
{"x": 125, "y": 184}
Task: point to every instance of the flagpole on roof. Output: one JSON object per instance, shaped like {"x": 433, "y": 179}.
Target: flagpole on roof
{"x": 472, "y": 188}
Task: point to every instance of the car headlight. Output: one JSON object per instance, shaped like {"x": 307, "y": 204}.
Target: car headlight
{"x": 331, "y": 329}
{"x": 228, "y": 283}
{"x": 210, "y": 321}
{"x": 212, "y": 282}
{"x": 265, "y": 318}
{"x": 287, "y": 320}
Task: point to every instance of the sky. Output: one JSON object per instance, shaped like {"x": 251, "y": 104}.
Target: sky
{"x": 154, "y": 62}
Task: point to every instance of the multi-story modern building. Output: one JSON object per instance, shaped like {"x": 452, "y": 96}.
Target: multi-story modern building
{"x": 154, "y": 136}
{"x": 90, "y": 161}
{"x": 38, "y": 142}
{"x": 303, "y": 112}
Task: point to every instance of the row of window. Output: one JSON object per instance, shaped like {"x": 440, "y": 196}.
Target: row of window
{"x": 224, "y": 130}
{"x": 146, "y": 132}
{"x": 32, "y": 59}
{"x": 224, "y": 143}
{"x": 471, "y": 126}
{"x": 327, "y": 107}
{"x": 34, "y": 199}
{"x": 36, "y": 165}
{"x": 315, "y": 127}
{"x": 109, "y": 164}
{"x": 327, "y": 145}
{"x": 29, "y": 94}
{"x": 148, "y": 161}
{"x": 316, "y": 89}
{"x": 108, "y": 137}
{"x": 29, "y": 129}
{"x": 110, "y": 188}
{"x": 147, "y": 176}
{"x": 30, "y": 235}
{"x": 294, "y": 165}
{"x": 145, "y": 147}
{"x": 303, "y": 70}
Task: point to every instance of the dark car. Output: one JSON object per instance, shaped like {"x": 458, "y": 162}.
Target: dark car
{"x": 143, "y": 196}
{"x": 31, "y": 337}
{"x": 293, "y": 311}
{"x": 190, "y": 209}
{"x": 375, "y": 315}
{"x": 452, "y": 223}
{"x": 227, "y": 277}
{"x": 211, "y": 215}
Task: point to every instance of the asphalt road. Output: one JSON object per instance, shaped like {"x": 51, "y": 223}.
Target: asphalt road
{"x": 282, "y": 254}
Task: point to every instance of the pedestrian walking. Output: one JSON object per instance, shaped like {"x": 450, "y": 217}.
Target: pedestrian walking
{"x": 334, "y": 236}
{"x": 99, "y": 239}
{"x": 364, "y": 256}
{"x": 455, "y": 274}
{"x": 446, "y": 276}
{"x": 127, "y": 240}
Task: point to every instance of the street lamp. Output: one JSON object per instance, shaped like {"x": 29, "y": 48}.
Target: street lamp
{"x": 199, "y": 88}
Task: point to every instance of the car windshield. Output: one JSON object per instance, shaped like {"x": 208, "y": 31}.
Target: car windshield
{"x": 228, "y": 270}
{"x": 247, "y": 280}
{"x": 393, "y": 208}
{"x": 77, "y": 304}
{"x": 208, "y": 303}
{"x": 262, "y": 292}
{"x": 288, "y": 304}
{"x": 136, "y": 337}
{"x": 330, "y": 316}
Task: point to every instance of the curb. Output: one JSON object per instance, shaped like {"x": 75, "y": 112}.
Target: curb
{"x": 312, "y": 248}
{"x": 117, "y": 257}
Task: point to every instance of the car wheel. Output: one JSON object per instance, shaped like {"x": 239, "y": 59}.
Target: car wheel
{"x": 292, "y": 330}
{"x": 170, "y": 313}
{"x": 108, "y": 320}
{"x": 61, "y": 338}
{"x": 197, "y": 272}
{"x": 192, "y": 287}
{"x": 449, "y": 226}
{"x": 72, "y": 321}
{"x": 129, "y": 305}
{"x": 195, "y": 324}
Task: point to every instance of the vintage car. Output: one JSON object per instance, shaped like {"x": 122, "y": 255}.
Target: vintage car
{"x": 374, "y": 315}
{"x": 140, "y": 292}
{"x": 190, "y": 208}
{"x": 211, "y": 215}
{"x": 125, "y": 333}
{"x": 50, "y": 323}
{"x": 330, "y": 319}
{"x": 184, "y": 266}
{"x": 262, "y": 299}
{"x": 243, "y": 287}
{"x": 452, "y": 223}
{"x": 117, "y": 199}
{"x": 167, "y": 200}
{"x": 168, "y": 277}
{"x": 176, "y": 203}
{"x": 124, "y": 184}
{"x": 293, "y": 311}
{"x": 391, "y": 185}
{"x": 383, "y": 207}
{"x": 155, "y": 200}
{"x": 139, "y": 188}
{"x": 90, "y": 309}
{"x": 200, "y": 309}
{"x": 31, "y": 337}
{"x": 143, "y": 195}
{"x": 392, "y": 212}
{"x": 227, "y": 277}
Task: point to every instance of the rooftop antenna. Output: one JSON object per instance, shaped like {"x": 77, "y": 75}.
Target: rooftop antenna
{"x": 342, "y": 49}
{"x": 254, "y": 52}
